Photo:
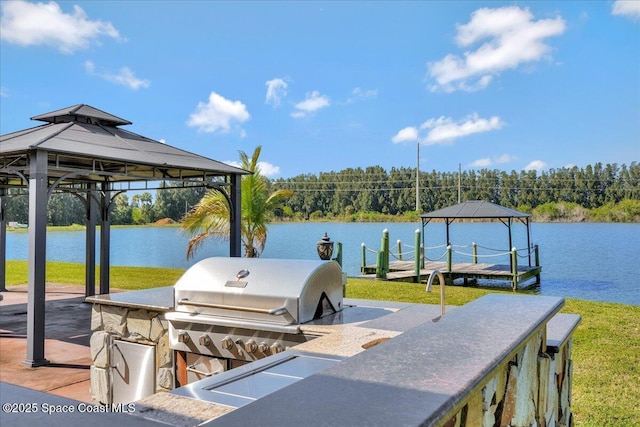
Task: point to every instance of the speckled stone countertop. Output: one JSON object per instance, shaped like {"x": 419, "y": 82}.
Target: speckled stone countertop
{"x": 179, "y": 411}
{"x": 559, "y": 330}
{"x": 156, "y": 299}
{"x": 413, "y": 379}
{"x": 26, "y": 407}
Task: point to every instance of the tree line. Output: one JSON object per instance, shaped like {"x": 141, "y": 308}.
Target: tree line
{"x": 350, "y": 191}
{"x": 358, "y": 191}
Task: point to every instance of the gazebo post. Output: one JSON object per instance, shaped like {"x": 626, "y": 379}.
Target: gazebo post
{"x": 38, "y": 197}
{"x": 510, "y": 244}
{"x": 105, "y": 240}
{"x": 3, "y": 239}
{"x": 528, "y": 240}
{"x": 90, "y": 252}
{"x": 235, "y": 222}
{"x": 424, "y": 224}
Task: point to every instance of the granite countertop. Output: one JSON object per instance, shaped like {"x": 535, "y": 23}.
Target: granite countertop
{"x": 559, "y": 329}
{"x": 177, "y": 410}
{"x": 335, "y": 338}
{"x": 25, "y": 407}
{"x": 364, "y": 324}
{"x": 421, "y": 374}
{"x": 155, "y": 299}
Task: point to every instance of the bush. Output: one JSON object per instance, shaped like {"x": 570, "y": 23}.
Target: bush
{"x": 547, "y": 212}
{"x": 625, "y": 211}
{"x": 316, "y": 215}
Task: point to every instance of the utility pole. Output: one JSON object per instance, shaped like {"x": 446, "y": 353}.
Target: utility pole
{"x": 418, "y": 177}
{"x": 459, "y": 181}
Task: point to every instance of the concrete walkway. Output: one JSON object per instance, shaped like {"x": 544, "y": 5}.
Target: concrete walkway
{"x": 67, "y": 335}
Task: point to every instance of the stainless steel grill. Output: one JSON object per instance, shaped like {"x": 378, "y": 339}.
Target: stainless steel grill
{"x": 238, "y": 310}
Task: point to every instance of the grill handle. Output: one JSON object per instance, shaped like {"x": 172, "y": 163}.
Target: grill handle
{"x": 273, "y": 311}
{"x": 191, "y": 368}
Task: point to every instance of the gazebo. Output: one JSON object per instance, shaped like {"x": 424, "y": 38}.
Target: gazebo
{"x": 84, "y": 151}
{"x": 478, "y": 210}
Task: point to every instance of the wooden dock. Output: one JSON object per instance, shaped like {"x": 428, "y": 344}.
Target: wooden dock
{"x": 470, "y": 272}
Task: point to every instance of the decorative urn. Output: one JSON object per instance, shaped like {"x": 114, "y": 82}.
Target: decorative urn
{"x": 325, "y": 247}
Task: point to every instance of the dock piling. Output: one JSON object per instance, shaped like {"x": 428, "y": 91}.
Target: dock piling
{"x": 514, "y": 268}
{"x": 475, "y": 252}
{"x": 418, "y": 258}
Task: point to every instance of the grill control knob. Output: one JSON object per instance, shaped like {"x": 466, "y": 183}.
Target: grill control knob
{"x": 251, "y": 346}
{"x": 276, "y": 348}
{"x": 205, "y": 340}
{"x": 183, "y": 337}
{"x": 263, "y": 347}
{"x": 227, "y": 343}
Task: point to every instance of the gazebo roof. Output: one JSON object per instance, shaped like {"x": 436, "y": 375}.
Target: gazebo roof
{"x": 80, "y": 113}
{"x": 476, "y": 209}
{"x": 87, "y": 140}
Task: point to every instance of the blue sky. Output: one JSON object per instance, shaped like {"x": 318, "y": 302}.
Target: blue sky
{"x": 324, "y": 86}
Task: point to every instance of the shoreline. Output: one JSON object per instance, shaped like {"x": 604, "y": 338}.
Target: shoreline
{"x": 79, "y": 227}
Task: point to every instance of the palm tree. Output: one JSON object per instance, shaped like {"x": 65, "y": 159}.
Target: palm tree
{"x": 210, "y": 217}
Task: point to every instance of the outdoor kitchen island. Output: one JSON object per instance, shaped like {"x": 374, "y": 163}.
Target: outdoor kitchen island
{"x": 499, "y": 360}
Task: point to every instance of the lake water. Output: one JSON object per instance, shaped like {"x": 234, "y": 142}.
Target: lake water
{"x": 590, "y": 261}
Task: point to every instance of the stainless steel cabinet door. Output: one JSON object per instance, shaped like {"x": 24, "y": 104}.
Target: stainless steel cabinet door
{"x": 133, "y": 371}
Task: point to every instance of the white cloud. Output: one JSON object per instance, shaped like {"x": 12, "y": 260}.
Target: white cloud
{"x": 4, "y": 93}
{"x": 276, "y": 90}
{"x": 511, "y": 38}
{"x": 359, "y": 94}
{"x": 536, "y": 165}
{"x": 266, "y": 169}
{"x": 218, "y": 114}
{"x": 627, "y": 8}
{"x": 483, "y": 163}
{"x": 311, "y": 104}
{"x": 404, "y": 135}
{"x": 45, "y": 24}
{"x": 505, "y": 158}
{"x": 445, "y": 129}
{"x": 124, "y": 76}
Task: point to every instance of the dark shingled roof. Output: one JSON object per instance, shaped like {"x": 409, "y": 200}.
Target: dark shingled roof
{"x": 88, "y": 139}
{"x": 475, "y": 209}
{"x": 80, "y": 112}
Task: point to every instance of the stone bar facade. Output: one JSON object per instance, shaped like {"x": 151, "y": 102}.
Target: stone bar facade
{"x": 531, "y": 389}
{"x": 141, "y": 326}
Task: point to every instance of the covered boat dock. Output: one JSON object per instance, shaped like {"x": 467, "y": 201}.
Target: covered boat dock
{"x": 517, "y": 274}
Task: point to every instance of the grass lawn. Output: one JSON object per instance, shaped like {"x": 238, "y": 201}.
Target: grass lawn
{"x": 606, "y": 345}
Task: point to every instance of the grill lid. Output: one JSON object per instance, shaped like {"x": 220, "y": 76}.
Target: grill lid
{"x": 266, "y": 290}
